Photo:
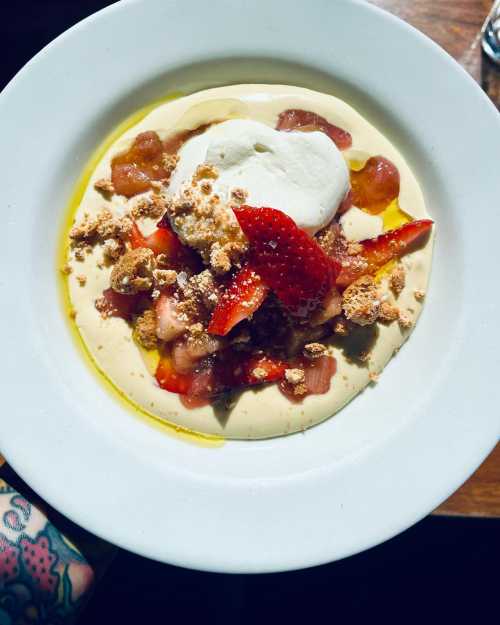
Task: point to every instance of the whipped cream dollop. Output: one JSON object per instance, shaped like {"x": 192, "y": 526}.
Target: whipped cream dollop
{"x": 302, "y": 174}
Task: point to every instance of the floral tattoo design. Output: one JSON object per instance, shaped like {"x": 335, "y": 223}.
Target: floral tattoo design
{"x": 43, "y": 578}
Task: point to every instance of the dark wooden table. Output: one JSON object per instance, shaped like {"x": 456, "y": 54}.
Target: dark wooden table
{"x": 455, "y": 25}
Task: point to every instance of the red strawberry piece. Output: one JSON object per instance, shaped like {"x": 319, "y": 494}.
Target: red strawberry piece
{"x": 297, "y": 119}
{"x": 113, "y": 304}
{"x": 376, "y": 185}
{"x": 164, "y": 241}
{"x": 380, "y": 250}
{"x": 317, "y": 377}
{"x": 133, "y": 170}
{"x": 289, "y": 261}
{"x": 240, "y": 300}
{"x": 169, "y": 379}
{"x": 39, "y": 562}
{"x": 9, "y": 560}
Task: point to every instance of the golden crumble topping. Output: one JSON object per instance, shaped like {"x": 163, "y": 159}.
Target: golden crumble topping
{"x": 388, "y": 313}
{"x": 164, "y": 277}
{"x": 207, "y": 224}
{"x": 397, "y": 279}
{"x": 314, "y": 350}
{"x": 149, "y": 208}
{"x": 294, "y": 376}
{"x": 105, "y": 187}
{"x": 419, "y": 295}
{"x": 361, "y": 301}
{"x": 341, "y": 326}
{"x": 405, "y": 320}
{"x": 81, "y": 279}
{"x": 145, "y": 329}
{"x": 133, "y": 272}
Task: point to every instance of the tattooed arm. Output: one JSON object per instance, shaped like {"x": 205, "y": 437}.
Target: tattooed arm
{"x": 43, "y": 577}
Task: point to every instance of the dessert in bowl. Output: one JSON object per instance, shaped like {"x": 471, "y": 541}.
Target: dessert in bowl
{"x": 246, "y": 259}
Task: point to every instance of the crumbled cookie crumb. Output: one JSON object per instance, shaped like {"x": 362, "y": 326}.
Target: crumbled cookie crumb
{"x": 294, "y": 376}
{"x": 397, "y": 279}
{"x": 388, "y": 313}
{"x": 72, "y": 313}
{"x": 341, "y": 326}
{"x": 145, "y": 329}
{"x": 79, "y": 255}
{"x": 204, "y": 171}
{"x": 93, "y": 230}
{"x": 361, "y": 301}
{"x": 105, "y": 187}
{"x": 419, "y": 294}
{"x": 66, "y": 269}
{"x": 354, "y": 248}
{"x": 133, "y": 272}
{"x": 169, "y": 163}
{"x": 314, "y": 350}
{"x": 405, "y": 320}
{"x": 164, "y": 277}
{"x": 149, "y": 208}
{"x": 206, "y": 188}
{"x": 373, "y": 377}
{"x": 113, "y": 249}
{"x": 81, "y": 279}
{"x": 239, "y": 196}
{"x": 259, "y": 373}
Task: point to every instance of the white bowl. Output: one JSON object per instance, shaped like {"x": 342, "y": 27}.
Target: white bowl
{"x": 384, "y": 461}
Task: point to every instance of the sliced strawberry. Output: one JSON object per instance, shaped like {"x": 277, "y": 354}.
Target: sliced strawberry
{"x": 241, "y": 299}
{"x": 380, "y": 250}
{"x": 113, "y": 304}
{"x": 168, "y": 324}
{"x": 164, "y": 241}
{"x": 133, "y": 170}
{"x": 287, "y": 258}
{"x": 169, "y": 379}
{"x": 376, "y": 185}
{"x": 317, "y": 377}
{"x": 297, "y": 119}
{"x": 237, "y": 369}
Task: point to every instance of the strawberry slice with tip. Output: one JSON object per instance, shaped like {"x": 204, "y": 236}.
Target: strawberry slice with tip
{"x": 289, "y": 261}
{"x": 306, "y": 121}
{"x": 240, "y": 300}
{"x": 380, "y": 250}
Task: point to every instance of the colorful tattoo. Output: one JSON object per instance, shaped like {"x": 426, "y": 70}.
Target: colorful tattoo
{"x": 43, "y": 578}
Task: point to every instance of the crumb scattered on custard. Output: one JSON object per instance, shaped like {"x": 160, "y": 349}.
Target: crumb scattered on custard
{"x": 361, "y": 301}
{"x": 419, "y": 294}
{"x": 145, "y": 329}
{"x": 314, "y": 350}
{"x": 133, "y": 272}
{"x": 388, "y": 313}
{"x": 149, "y": 207}
{"x": 405, "y": 320}
{"x": 105, "y": 187}
{"x": 397, "y": 279}
{"x": 81, "y": 279}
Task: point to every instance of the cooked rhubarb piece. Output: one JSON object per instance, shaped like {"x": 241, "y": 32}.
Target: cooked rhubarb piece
{"x": 306, "y": 121}
{"x": 289, "y": 261}
{"x": 375, "y": 253}
{"x": 113, "y": 304}
{"x": 376, "y": 185}
{"x": 240, "y": 300}
{"x": 317, "y": 378}
{"x": 168, "y": 323}
{"x": 133, "y": 170}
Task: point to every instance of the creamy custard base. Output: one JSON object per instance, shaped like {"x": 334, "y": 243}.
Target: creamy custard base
{"x": 257, "y": 412}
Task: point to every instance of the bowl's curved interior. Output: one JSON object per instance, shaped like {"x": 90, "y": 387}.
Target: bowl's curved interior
{"x": 386, "y": 459}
